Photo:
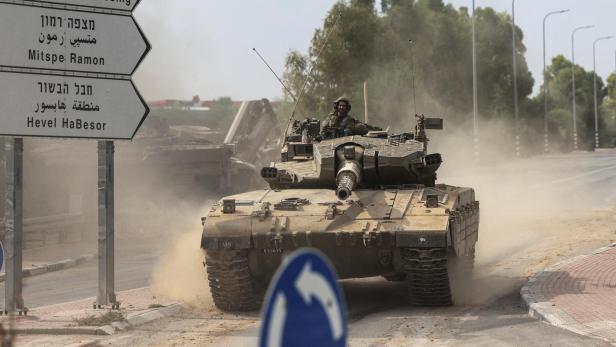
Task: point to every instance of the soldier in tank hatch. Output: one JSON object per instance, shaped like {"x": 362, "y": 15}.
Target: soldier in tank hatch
{"x": 339, "y": 123}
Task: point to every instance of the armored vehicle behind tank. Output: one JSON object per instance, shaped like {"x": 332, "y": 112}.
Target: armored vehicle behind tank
{"x": 370, "y": 203}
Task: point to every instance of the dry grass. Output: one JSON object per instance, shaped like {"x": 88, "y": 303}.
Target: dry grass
{"x": 100, "y": 320}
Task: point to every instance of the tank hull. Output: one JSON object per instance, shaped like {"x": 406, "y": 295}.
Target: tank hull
{"x": 416, "y": 234}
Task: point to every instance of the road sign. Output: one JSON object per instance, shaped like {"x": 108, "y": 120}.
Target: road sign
{"x": 63, "y": 40}
{"x": 75, "y": 107}
{"x": 304, "y": 305}
{"x": 124, "y": 5}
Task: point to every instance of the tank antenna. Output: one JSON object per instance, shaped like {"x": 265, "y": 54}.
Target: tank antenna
{"x": 301, "y": 92}
{"x": 277, "y": 77}
{"x": 413, "y": 73}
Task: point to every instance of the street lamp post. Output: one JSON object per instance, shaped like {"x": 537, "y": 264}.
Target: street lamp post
{"x": 545, "y": 83}
{"x": 594, "y": 69}
{"x": 475, "y": 106}
{"x": 575, "y": 135}
{"x": 515, "y": 81}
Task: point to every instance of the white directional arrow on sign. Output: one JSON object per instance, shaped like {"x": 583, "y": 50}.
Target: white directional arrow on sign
{"x": 125, "y": 5}
{"x": 63, "y": 40}
{"x": 312, "y": 284}
{"x": 75, "y": 107}
{"x": 279, "y": 316}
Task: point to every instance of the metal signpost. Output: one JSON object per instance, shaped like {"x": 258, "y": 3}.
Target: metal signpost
{"x": 106, "y": 230}
{"x": 65, "y": 71}
{"x": 304, "y": 304}
{"x": 13, "y": 216}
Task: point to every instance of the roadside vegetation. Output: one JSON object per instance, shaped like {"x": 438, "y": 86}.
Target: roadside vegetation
{"x": 369, "y": 41}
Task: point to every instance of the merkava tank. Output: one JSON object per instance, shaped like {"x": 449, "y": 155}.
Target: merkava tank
{"x": 370, "y": 203}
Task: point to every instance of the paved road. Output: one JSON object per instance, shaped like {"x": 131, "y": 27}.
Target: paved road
{"x": 133, "y": 268}
{"x": 583, "y": 179}
{"x": 377, "y": 319}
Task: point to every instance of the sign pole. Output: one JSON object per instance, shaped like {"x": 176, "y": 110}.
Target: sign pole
{"x": 13, "y": 300}
{"x": 106, "y": 285}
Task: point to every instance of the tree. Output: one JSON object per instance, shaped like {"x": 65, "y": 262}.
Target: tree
{"x": 608, "y": 113}
{"x": 559, "y": 79}
{"x": 364, "y": 45}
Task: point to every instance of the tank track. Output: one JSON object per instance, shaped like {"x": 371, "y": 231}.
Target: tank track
{"x": 427, "y": 276}
{"x": 428, "y": 273}
{"x": 232, "y": 285}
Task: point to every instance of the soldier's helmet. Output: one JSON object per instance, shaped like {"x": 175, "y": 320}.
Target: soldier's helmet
{"x": 342, "y": 99}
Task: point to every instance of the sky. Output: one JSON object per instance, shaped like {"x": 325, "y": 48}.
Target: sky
{"x": 205, "y": 47}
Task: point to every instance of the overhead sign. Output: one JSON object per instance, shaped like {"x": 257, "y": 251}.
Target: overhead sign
{"x": 63, "y": 40}
{"x": 75, "y": 107}
{"x": 124, "y": 5}
{"x": 304, "y": 305}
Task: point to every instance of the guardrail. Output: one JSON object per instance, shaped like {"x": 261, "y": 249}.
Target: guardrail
{"x": 50, "y": 230}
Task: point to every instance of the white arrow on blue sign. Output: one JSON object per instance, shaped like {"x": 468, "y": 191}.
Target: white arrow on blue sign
{"x": 304, "y": 305}
{"x": 64, "y": 40}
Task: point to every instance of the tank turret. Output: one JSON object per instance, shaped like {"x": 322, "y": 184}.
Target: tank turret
{"x": 351, "y": 162}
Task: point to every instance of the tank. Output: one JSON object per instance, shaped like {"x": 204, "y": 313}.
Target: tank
{"x": 370, "y": 203}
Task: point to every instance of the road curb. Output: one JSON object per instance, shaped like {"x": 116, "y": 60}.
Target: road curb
{"x": 132, "y": 321}
{"x": 148, "y": 316}
{"x": 542, "y": 309}
{"x": 55, "y": 266}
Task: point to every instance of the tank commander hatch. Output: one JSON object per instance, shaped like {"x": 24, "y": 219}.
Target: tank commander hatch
{"x": 339, "y": 123}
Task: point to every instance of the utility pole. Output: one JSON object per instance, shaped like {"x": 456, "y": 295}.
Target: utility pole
{"x": 575, "y": 134}
{"x": 515, "y": 82}
{"x": 594, "y": 70}
{"x": 546, "y": 136}
{"x": 476, "y": 151}
{"x": 366, "y": 119}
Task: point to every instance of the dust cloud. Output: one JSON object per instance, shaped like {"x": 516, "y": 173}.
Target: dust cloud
{"x": 532, "y": 215}
{"x": 534, "y": 211}
{"x": 180, "y": 274}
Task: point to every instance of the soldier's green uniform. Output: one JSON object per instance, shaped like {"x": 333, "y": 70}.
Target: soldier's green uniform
{"x": 336, "y": 125}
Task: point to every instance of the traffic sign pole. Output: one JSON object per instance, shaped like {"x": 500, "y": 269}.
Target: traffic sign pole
{"x": 13, "y": 216}
{"x": 106, "y": 231}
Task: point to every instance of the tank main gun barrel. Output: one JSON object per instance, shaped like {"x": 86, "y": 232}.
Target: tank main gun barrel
{"x": 347, "y": 179}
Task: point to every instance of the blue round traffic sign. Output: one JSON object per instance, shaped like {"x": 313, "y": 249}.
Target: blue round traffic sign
{"x": 304, "y": 304}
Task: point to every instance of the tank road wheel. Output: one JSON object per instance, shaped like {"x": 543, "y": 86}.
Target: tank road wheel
{"x": 232, "y": 285}
{"x": 427, "y": 276}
